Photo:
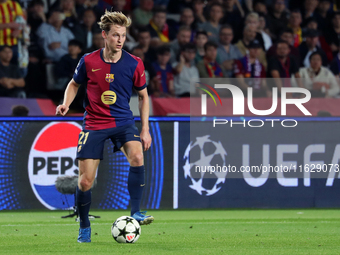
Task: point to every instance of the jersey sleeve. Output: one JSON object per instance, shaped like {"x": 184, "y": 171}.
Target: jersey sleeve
{"x": 79, "y": 75}
{"x": 139, "y": 81}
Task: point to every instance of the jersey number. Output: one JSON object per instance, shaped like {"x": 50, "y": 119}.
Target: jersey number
{"x": 82, "y": 134}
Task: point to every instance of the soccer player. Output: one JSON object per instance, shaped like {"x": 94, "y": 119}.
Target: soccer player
{"x": 110, "y": 74}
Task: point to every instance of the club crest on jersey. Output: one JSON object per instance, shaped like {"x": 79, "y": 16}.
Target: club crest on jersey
{"x": 109, "y": 77}
{"x": 109, "y": 97}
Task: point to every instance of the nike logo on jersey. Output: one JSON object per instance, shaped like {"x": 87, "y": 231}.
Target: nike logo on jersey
{"x": 142, "y": 74}
{"x": 95, "y": 70}
{"x": 142, "y": 185}
{"x": 136, "y": 135}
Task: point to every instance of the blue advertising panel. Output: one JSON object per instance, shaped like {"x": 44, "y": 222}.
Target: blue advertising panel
{"x": 301, "y": 150}
{"x": 33, "y": 154}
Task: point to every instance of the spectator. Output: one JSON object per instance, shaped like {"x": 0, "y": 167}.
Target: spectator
{"x": 11, "y": 82}
{"x": 10, "y": 30}
{"x": 309, "y": 46}
{"x": 164, "y": 85}
{"x": 82, "y": 5}
{"x": 54, "y": 37}
{"x": 233, "y": 15}
{"x": 159, "y": 30}
{"x": 262, "y": 28}
{"x": 312, "y": 23}
{"x": 183, "y": 37}
{"x": 36, "y": 16}
{"x": 144, "y": 39}
{"x": 20, "y": 111}
{"x": 277, "y": 18}
{"x": 253, "y": 19}
{"x": 260, "y": 7}
{"x": 250, "y": 67}
{"x": 249, "y": 34}
{"x": 118, "y": 5}
{"x": 198, "y": 7}
{"x": 308, "y": 10}
{"x": 318, "y": 79}
{"x": 64, "y": 69}
{"x": 283, "y": 66}
{"x": 322, "y": 14}
{"x": 87, "y": 28}
{"x": 333, "y": 33}
{"x": 335, "y": 65}
{"x": 201, "y": 39}
{"x": 208, "y": 67}
{"x": 68, "y": 8}
{"x": 295, "y": 21}
{"x": 150, "y": 74}
{"x": 226, "y": 52}
{"x": 143, "y": 13}
{"x": 287, "y": 36}
{"x": 185, "y": 71}
{"x": 187, "y": 19}
{"x": 97, "y": 42}
{"x": 212, "y": 26}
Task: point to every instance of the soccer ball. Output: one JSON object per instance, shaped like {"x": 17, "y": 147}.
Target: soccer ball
{"x": 126, "y": 230}
{"x": 204, "y": 152}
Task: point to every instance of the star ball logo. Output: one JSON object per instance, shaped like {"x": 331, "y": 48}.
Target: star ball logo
{"x": 238, "y": 104}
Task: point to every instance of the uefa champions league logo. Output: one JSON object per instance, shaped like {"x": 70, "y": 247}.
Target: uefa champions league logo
{"x": 202, "y": 154}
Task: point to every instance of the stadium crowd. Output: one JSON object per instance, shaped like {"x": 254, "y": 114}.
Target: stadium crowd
{"x": 178, "y": 40}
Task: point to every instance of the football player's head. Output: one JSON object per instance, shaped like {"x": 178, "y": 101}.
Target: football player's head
{"x": 113, "y": 26}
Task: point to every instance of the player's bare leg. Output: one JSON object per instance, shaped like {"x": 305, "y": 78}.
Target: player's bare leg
{"x": 87, "y": 174}
{"x": 134, "y": 153}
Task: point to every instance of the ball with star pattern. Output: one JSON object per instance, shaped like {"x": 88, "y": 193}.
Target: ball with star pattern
{"x": 126, "y": 230}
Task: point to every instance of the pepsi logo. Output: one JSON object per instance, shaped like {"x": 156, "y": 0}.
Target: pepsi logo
{"x": 53, "y": 154}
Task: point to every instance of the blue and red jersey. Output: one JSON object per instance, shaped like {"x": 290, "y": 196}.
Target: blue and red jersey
{"x": 109, "y": 88}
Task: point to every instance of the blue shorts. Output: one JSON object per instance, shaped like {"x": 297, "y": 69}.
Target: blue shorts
{"x": 91, "y": 142}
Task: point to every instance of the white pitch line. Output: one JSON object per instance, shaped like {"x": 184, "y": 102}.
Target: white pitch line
{"x": 188, "y": 223}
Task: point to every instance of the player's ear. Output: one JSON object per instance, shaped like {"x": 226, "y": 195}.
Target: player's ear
{"x": 104, "y": 34}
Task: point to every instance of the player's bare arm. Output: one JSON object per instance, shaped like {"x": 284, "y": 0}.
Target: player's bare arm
{"x": 144, "y": 116}
{"x": 70, "y": 94}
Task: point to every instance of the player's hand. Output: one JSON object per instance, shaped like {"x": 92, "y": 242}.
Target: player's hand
{"x": 145, "y": 137}
{"x": 62, "y": 110}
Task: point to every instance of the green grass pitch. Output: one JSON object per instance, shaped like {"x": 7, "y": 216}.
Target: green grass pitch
{"x": 178, "y": 232}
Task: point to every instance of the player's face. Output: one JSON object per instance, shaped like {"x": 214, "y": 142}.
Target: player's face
{"x": 115, "y": 38}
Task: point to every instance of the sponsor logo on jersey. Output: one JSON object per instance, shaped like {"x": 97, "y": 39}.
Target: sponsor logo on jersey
{"x": 53, "y": 154}
{"x": 109, "y": 77}
{"x": 109, "y": 97}
{"x": 95, "y": 70}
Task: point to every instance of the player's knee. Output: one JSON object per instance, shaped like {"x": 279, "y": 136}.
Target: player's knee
{"x": 136, "y": 159}
{"x": 85, "y": 184}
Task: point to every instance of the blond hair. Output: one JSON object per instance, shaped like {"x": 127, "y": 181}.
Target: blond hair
{"x": 113, "y": 18}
